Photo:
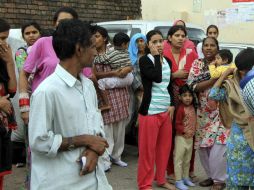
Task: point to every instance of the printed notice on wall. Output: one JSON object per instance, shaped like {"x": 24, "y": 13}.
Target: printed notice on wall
{"x": 238, "y": 13}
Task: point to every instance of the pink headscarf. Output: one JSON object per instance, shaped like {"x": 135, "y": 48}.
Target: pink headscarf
{"x": 176, "y": 21}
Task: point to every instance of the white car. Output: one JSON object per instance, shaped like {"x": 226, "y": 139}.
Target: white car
{"x": 16, "y": 33}
{"x": 15, "y": 39}
{"x": 235, "y": 48}
{"x": 131, "y": 27}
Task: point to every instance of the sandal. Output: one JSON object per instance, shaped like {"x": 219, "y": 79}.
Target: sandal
{"x": 218, "y": 186}
{"x": 206, "y": 183}
{"x": 194, "y": 178}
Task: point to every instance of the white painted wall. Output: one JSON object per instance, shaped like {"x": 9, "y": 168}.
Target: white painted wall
{"x": 207, "y": 14}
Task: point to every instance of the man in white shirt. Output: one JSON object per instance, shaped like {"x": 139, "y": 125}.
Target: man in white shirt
{"x": 65, "y": 123}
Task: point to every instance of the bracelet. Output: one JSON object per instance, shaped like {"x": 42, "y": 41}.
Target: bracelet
{"x": 24, "y": 102}
{"x": 23, "y": 95}
{"x": 24, "y": 109}
{"x": 12, "y": 90}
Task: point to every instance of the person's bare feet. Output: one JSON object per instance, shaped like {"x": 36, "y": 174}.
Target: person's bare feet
{"x": 171, "y": 178}
{"x": 168, "y": 186}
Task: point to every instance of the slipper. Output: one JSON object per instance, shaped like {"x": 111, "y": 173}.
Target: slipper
{"x": 194, "y": 178}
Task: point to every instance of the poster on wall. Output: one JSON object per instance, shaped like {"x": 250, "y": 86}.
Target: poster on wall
{"x": 197, "y": 6}
{"x": 240, "y": 13}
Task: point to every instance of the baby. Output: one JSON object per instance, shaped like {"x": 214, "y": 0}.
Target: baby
{"x": 118, "y": 59}
{"x": 222, "y": 62}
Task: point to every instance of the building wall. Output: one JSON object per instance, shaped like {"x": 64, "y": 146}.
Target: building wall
{"x": 42, "y": 11}
{"x": 200, "y": 12}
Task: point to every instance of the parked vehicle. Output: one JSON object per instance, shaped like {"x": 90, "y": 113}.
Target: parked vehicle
{"x": 131, "y": 27}
{"x": 235, "y": 48}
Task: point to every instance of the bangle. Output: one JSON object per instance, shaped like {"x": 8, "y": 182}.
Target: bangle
{"x": 24, "y": 108}
{"x": 12, "y": 90}
{"x": 24, "y": 102}
{"x": 23, "y": 95}
{"x": 94, "y": 151}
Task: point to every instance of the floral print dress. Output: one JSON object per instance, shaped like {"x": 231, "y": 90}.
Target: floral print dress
{"x": 210, "y": 129}
{"x": 20, "y": 57}
{"x": 240, "y": 156}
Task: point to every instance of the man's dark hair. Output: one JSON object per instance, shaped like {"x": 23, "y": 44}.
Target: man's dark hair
{"x": 226, "y": 54}
{"x": 120, "y": 38}
{"x": 65, "y": 10}
{"x": 69, "y": 33}
{"x": 102, "y": 32}
{"x": 4, "y": 25}
{"x": 244, "y": 60}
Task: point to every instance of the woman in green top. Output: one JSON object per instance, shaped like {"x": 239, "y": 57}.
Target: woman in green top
{"x": 31, "y": 32}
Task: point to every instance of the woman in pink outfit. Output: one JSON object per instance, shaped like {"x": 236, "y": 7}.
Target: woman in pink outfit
{"x": 182, "y": 59}
{"x": 188, "y": 44}
{"x": 41, "y": 61}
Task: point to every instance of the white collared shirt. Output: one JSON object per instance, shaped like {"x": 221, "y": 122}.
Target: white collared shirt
{"x": 63, "y": 106}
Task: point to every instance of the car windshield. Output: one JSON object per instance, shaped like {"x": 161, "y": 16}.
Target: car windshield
{"x": 115, "y": 28}
{"x": 195, "y": 34}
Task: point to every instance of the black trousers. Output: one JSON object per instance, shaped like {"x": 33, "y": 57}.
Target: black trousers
{"x": 5, "y": 151}
{"x": 18, "y": 152}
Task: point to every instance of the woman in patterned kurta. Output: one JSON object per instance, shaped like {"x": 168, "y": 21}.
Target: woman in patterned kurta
{"x": 211, "y": 135}
{"x": 240, "y": 145}
{"x": 116, "y": 118}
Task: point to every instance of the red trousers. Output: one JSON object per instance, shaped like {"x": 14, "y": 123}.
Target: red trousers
{"x": 1, "y": 182}
{"x": 155, "y": 137}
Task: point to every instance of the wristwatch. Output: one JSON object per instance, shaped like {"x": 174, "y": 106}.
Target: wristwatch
{"x": 71, "y": 146}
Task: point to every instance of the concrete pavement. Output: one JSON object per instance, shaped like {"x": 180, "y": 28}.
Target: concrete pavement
{"x": 119, "y": 178}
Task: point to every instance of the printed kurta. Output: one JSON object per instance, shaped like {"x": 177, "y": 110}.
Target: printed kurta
{"x": 210, "y": 128}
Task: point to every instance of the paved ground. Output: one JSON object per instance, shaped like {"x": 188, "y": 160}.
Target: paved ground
{"x": 119, "y": 178}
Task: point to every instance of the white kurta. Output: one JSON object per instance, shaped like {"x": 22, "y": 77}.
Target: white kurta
{"x": 63, "y": 106}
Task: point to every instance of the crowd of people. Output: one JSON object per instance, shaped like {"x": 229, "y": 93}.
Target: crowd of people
{"x": 78, "y": 91}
